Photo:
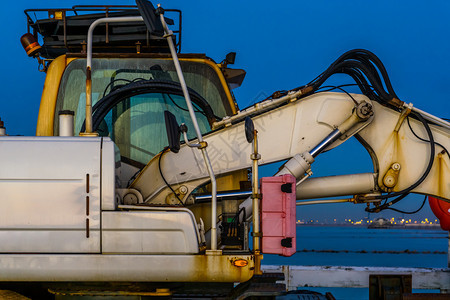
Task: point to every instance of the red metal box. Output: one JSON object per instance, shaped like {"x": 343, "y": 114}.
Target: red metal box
{"x": 278, "y": 215}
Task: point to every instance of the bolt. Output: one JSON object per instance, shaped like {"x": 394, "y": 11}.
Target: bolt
{"x": 395, "y": 166}
{"x": 183, "y": 189}
{"x": 389, "y": 181}
{"x": 365, "y": 110}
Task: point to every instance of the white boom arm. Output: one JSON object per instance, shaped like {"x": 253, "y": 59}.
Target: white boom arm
{"x": 303, "y": 126}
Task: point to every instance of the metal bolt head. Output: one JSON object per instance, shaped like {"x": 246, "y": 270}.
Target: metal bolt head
{"x": 183, "y": 189}
{"x": 396, "y": 166}
{"x": 389, "y": 181}
{"x": 130, "y": 199}
{"x": 365, "y": 110}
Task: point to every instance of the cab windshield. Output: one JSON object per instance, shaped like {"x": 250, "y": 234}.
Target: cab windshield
{"x": 136, "y": 123}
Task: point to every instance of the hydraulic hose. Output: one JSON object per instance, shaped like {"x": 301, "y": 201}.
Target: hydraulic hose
{"x": 364, "y": 67}
{"x": 104, "y": 105}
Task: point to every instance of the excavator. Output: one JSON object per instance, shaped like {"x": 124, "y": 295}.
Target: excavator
{"x": 142, "y": 179}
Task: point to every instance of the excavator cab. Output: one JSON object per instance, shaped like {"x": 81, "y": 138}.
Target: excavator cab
{"x": 132, "y": 95}
{"x": 133, "y": 82}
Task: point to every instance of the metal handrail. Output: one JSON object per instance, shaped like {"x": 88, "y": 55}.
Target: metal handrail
{"x": 89, "y": 64}
{"x": 202, "y": 144}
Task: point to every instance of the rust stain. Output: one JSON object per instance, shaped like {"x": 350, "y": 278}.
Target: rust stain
{"x": 220, "y": 268}
{"x": 393, "y": 152}
{"x": 440, "y": 172}
{"x": 442, "y": 182}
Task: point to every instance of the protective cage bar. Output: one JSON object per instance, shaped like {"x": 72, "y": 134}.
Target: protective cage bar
{"x": 65, "y": 14}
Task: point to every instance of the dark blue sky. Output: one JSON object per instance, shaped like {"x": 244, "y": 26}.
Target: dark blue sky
{"x": 282, "y": 45}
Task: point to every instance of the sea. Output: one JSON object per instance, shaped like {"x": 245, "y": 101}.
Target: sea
{"x": 360, "y": 246}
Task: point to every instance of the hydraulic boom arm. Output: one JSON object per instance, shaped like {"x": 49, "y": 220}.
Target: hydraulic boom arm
{"x": 311, "y": 125}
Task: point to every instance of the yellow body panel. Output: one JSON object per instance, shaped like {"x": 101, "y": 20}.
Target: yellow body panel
{"x": 216, "y": 68}
{"x": 49, "y": 94}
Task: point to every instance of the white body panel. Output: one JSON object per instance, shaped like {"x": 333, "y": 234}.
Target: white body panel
{"x": 170, "y": 231}
{"x": 44, "y": 187}
{"x": 109, "y": 174}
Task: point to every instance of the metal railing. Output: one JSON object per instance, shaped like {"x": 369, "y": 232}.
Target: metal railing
{"x": 63, "y": 14}
{"x": 358, "y": 277}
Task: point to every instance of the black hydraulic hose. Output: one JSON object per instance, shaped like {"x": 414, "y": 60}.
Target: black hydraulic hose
{"x": 361, "y": 82}
{"x": 424, "y": 140}
{"x": 161, "y": 86}
{"x": 162, "y": 176}
{"x": 371, "y": 78}
{"x": 386, "y": 205}
{"x": 382, "y": 70}
{"x": 358, "y": 65}
{"x": 366, "y": 55}
{"x": 372, "y": 69}
{"x": 368, "y": 65}
{"x": 104, "y": 105}
{"x": 112, "y": 82}
{"x": 364, "y": 59}
{"x": 331, "y": 69}
{"x": 410, "y": 212}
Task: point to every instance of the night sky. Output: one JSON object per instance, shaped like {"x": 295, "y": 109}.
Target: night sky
{"x": 281, "y": 45}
